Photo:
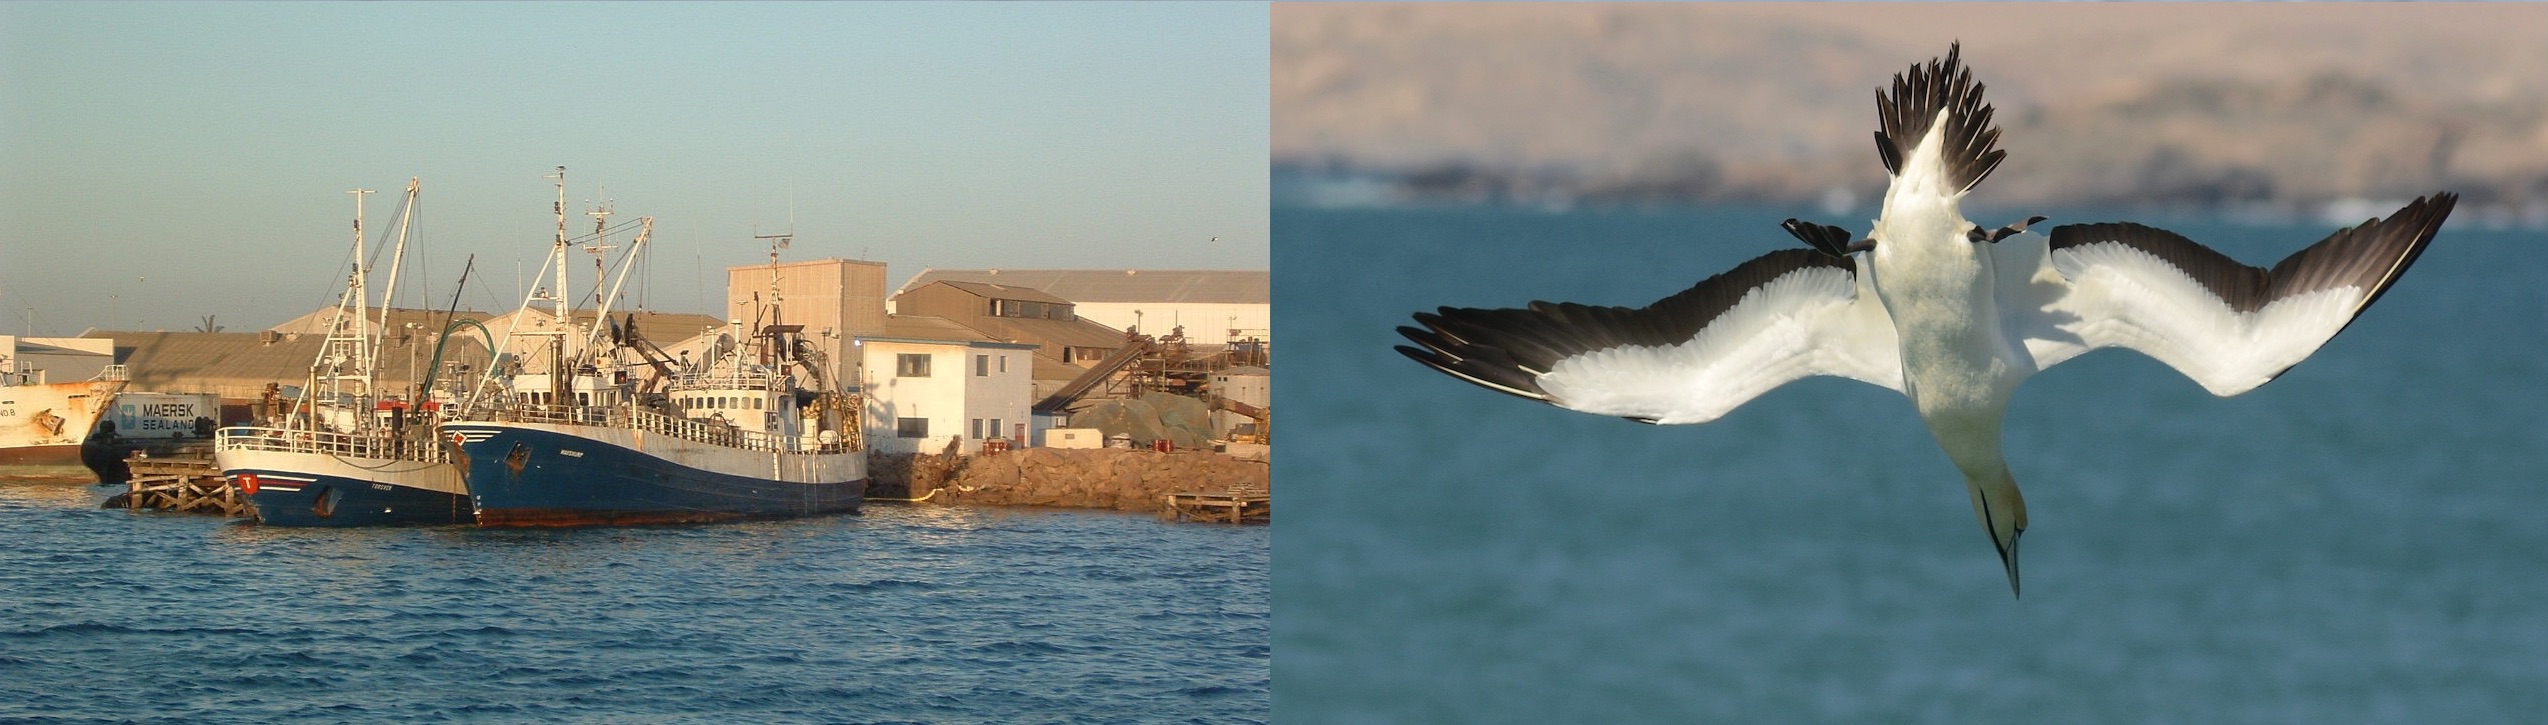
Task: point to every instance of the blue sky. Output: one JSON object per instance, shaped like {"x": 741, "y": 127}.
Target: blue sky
{"x": 161, "y": 162}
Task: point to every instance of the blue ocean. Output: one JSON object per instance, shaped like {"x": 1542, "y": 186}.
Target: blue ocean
{"x": 901, "y": 614}
{"x": 2363, "y": 540}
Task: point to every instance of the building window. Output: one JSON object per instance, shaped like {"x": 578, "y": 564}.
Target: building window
{"x": 981, "y": 365}
{"x": 911, "y": 366}
{"x": 1004, "y": 363}
{"x": 911, "y": 427}
{"x": 1029, "y": 310}
{"x": 977, "y": 429}
{"x": 995, "y": 428}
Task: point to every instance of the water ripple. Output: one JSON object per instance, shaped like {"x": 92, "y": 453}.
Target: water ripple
{"x": 899, "y": 615}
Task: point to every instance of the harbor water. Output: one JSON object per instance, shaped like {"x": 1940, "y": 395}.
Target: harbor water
{"x": 2363, "y": 540}
{"x": 900, "y": 614}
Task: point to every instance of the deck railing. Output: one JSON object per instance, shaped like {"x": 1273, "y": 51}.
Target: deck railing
{"x": 722, "y": 380}
{"x": 349, "y": 445}
{"x": 712, "y": 433}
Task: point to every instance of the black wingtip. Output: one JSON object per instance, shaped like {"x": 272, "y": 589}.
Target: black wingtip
{"x": 1919, "y": 94}
{"x": 1440, "y": 345}
{"x": 2412, "y": 228}
{"x": 1427, "y": 357}
{"x": 1507, "y": 350}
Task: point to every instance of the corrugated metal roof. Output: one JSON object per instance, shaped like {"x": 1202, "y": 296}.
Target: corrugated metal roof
{"x": 1005, "y": 292}
{"x": 29, "y": 346}
{"x": 929, "y": 327}
{"x": 659, "y": 327}
{"x": 236, "y": 363}
{"x": 1067, "y": 333}
{"x": 1205, "y": 286}
{"x": 168, "y": 357}
{"x": 425, "y": 320}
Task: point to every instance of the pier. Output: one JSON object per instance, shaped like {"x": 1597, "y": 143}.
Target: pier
{"x": 180, "y": 484}
{"x": 1239, "y": 504}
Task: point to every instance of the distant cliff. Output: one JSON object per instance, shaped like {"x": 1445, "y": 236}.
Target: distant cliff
{"x": 2172, "y": 104}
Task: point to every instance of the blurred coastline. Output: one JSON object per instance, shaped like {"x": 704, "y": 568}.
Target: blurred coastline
{"x": 2266, "y": 111}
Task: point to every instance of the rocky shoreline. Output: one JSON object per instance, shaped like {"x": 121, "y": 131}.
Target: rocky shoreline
{"x": 1102, "y": 478}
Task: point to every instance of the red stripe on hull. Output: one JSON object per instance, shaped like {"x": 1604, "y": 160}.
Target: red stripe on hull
{"x": 573, "y": 517}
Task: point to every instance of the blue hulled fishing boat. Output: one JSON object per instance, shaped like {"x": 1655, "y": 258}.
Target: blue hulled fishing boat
{"x": 593, "y": 425}
{"x": 344, "y": 454}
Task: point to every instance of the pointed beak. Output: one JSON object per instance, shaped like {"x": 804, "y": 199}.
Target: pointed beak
{"x": 2008, "y": 558}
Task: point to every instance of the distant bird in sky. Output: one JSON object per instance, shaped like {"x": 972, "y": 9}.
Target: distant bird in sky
{"x": 1952, "y": 316}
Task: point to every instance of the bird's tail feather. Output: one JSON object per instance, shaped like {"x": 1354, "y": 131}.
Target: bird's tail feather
{"x": 1910, "y": 113}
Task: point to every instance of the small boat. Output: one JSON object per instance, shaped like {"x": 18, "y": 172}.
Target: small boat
{"x": 344, "y": 454}
{"x": 573, "y": 427}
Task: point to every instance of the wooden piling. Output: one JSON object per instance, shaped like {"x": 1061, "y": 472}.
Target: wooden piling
{"x": 1237, "y": 505}
{"x": 181, "y": 484}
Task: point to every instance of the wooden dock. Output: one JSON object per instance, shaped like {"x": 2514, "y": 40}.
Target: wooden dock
{"x": 180, "y": 484}
{"x": 1238, "y": 505}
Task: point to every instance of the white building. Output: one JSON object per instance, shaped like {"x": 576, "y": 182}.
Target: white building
{"x": 1214, "y": 306}
{"x": 928, "y": 380}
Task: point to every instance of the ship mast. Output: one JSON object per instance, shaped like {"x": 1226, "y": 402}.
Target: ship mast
{"x": 559, "y": 386}
{"x": 771, "y": 346}
{"x": 777, "y": 358}
{"x": 559, "y": 248}
{"x": 504, "y": 352}
{"x": 340, "y": 348}
{"x": 601, "y": 225}
{"x": 397, "y": 259}
{"x": 601, "y": 311}
{"x": 361, "y": 299}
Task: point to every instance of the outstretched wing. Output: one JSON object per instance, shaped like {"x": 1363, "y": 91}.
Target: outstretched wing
{"x": 2228, "y": 326}
{"x": 1688, "y": 358}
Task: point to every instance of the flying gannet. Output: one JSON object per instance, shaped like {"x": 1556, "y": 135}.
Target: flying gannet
{"x": 1931, "y": 306}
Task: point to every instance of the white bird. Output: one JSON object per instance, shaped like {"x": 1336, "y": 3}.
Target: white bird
{"x": 1949, "y": 315}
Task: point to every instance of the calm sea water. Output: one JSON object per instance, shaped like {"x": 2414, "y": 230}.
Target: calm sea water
{"x": 903, "y": 614}
{"x": 2363, "y": 540}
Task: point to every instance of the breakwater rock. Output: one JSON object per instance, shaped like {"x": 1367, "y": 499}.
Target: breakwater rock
{"x": 1101, "y": 478}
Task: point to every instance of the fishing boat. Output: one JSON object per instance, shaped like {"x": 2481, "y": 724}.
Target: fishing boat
{"x": 344, "y": 453}
{"x": 580, "y": 424}
{"x": 43, "y": 422}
